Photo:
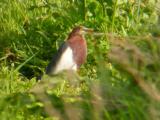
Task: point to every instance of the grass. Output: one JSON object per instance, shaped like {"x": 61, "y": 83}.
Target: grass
{"x": 120, "y": 79}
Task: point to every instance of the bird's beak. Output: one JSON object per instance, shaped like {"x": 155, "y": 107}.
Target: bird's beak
{"x": 87, "y": 30}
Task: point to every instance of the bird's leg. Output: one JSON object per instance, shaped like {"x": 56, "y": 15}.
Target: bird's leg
{"x": 74, "y": 79}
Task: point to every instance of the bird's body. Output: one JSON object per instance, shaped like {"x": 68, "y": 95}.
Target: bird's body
{"x": 71, "y": 55}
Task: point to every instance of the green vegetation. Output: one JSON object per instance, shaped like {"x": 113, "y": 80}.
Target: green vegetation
{"x": 120, "y": 80}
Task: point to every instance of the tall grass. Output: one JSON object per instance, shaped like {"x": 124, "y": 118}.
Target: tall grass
{"x": 120, "y": 79}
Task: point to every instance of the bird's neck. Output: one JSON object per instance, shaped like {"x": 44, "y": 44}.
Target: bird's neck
{"x": 79, "y": 47}
{"x": 76, "y": 39}
{"x": 71, "y": 35}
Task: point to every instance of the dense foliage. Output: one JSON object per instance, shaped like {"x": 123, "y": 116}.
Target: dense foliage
{"x": 120, "y": 80}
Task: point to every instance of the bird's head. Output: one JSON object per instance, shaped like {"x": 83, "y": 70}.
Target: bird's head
{"x": 80, "y": 30}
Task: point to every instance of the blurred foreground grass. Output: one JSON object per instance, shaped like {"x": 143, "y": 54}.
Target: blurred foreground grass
{"x": 120, "y": 80}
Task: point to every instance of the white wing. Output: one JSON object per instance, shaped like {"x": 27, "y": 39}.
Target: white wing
{"x": 66, "y": 61}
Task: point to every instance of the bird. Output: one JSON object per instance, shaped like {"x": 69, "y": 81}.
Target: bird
{"x": 71, "y": 54}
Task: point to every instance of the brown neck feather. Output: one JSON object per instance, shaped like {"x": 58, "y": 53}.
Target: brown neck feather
{"x": 79, "y": 48}
{"x": 73, "y": 35}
